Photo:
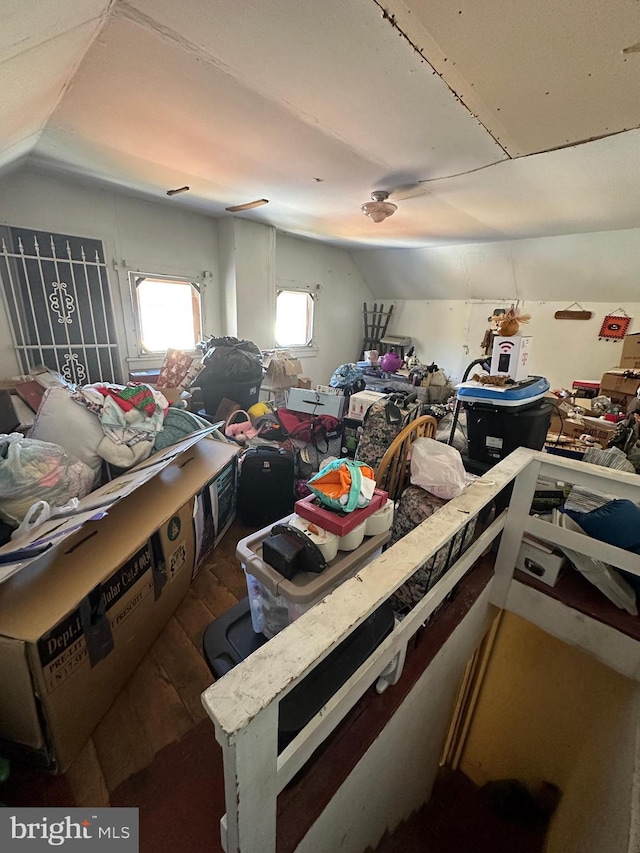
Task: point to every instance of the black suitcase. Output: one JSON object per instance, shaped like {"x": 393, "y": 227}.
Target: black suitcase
{"x": 265, "y": 490}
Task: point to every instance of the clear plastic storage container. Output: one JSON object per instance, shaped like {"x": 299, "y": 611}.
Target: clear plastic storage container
{"x": 275, "y": 601}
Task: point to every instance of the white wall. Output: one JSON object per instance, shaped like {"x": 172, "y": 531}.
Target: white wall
{"x": 547, "y": 711}
{"x": 396, "y": 775}
{"x": 151, "y": 237}
{"x": 255, "y": 282}
{"x": 449, "y": 332}
{"x": 597, "y": 267}
{"x": 241, "y": 259}
{"x": 339, "y": 326}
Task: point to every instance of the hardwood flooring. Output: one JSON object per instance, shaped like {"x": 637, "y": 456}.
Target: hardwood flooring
{"x": 161, "y": 701}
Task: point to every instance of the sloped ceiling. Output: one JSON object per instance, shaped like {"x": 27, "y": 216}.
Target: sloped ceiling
{"x": 457, "y": 108}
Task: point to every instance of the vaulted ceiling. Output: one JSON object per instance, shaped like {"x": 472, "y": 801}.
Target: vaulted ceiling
{"x": 486, "y": 120}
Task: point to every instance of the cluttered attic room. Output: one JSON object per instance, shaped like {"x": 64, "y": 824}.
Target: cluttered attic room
{"x": 319, "y": 426}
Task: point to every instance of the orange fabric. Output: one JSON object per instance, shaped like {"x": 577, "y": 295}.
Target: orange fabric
{"x": 337, "y": 482}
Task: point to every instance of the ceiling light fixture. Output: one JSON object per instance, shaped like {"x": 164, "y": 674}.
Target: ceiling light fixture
{"x": 179, "y": 190}
{"x": 236, "y": 208}
{"x": 378, "y": 209}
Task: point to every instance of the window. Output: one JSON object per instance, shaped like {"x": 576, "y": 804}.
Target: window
{"x": 168, "y": 313}
{"x": 294, "y": 318}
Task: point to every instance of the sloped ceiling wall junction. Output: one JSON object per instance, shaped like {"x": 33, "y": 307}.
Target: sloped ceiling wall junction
{"x": 487, "y": 122}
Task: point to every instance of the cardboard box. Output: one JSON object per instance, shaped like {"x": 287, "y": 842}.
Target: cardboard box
{"x": 560, "y": 413}
{"x": 360, "y": 402}
{"x": 540, "y": 561}
{"x": 303, "y": 382}
{"x": 620, "y": 385}
{"x": 511, "y": 355}
{"x": 584, "y": 403}
{"x": 282, "y": 371}
{"x": 597, "y": 427}
{"x": 630, "y": 358}
{"x": 76, "y": 622}
{"x": 315, "y": 402}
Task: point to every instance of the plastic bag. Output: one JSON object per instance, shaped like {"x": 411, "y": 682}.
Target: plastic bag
{"x": 437, "y": 468}
{"x": 344, "y": 485}
{"x": 345, "y": 376}
{"x": 603, "y": 576}
{"x": 32, "y": 470}
{"x": 231, "y": 359}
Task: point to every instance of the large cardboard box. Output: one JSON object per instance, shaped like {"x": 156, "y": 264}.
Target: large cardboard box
{"x": 620, "y": 386}
{"x": 315, "y": 402}
{"x": 630, "y": 358}
{"x": 75, "y": 622}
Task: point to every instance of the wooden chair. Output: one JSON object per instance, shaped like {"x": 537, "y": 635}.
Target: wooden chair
{"x": 393, "y": 472}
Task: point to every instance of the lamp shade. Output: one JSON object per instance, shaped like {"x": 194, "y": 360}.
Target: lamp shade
{"x": 378, "y": 209}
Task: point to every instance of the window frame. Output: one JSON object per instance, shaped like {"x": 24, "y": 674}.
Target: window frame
{"x": 138, "y": 276}
{"x": 312, "y": 290}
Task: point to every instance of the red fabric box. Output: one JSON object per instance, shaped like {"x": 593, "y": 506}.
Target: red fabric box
{"x": 339, "y": 523}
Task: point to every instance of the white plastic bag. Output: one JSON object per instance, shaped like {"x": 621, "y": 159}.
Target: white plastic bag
{"x": 32, "y": 470}
{"x": 437, "y": 468}
{"x": 603, "y": 576}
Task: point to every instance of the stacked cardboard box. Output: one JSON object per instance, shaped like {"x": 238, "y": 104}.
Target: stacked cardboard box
{"x": 630, "y": 359}
{"x": 621, "y": 385}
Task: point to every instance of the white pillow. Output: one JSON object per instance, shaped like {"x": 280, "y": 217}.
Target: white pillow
{"x": 62, "y": 421}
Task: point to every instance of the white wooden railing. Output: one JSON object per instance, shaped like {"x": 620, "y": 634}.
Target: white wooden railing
{"x": 244, "y": 704}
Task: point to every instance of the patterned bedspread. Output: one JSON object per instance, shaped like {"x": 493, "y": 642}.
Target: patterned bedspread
{"x": 416, "y": 505}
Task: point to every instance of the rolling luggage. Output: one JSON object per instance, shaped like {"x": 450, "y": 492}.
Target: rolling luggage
{"x": 383, "y": 420}
{"x": 265, "y": 490}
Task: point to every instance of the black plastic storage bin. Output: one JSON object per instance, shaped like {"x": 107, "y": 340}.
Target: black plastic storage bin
{"x": 245, "y": 392}
{"x": 495, "y": 431}
{"x": 230, "y": 639}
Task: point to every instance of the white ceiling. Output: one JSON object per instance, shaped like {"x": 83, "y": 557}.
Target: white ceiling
{"x": 253, "y": 100}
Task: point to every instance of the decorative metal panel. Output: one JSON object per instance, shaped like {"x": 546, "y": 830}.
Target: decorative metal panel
{"x": 56, "y": 293}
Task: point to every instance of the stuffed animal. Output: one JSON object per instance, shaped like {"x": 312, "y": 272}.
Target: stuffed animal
{"x": 511, "y": 322}
{"x": 239, "y": 427}
{"x": 497, "y": 380}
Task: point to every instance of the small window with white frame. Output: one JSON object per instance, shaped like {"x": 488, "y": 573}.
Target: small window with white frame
{"x": 295, "y": 315}
{"x": 168, "y": 312}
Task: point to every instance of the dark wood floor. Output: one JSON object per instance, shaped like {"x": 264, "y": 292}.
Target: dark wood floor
{"x": 161, "y": 702}
{"x": 461, "y": 817}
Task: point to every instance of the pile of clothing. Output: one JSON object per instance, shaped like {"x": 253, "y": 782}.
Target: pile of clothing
{"x": 75, "y": 432}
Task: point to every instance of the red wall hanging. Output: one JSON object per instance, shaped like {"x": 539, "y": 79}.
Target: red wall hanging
{"x": 614, "y": 327}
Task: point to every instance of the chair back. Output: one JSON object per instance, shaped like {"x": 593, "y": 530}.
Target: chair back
{"x": 392, "y": 473}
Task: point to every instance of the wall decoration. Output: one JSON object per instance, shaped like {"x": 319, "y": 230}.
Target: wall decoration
{"x": 573, "y": 313}
{"x": 614, "y": 326}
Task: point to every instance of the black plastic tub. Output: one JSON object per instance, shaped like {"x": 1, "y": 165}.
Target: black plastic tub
{"x": 245, "y": 393}
{"x": 494, "y": 431}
